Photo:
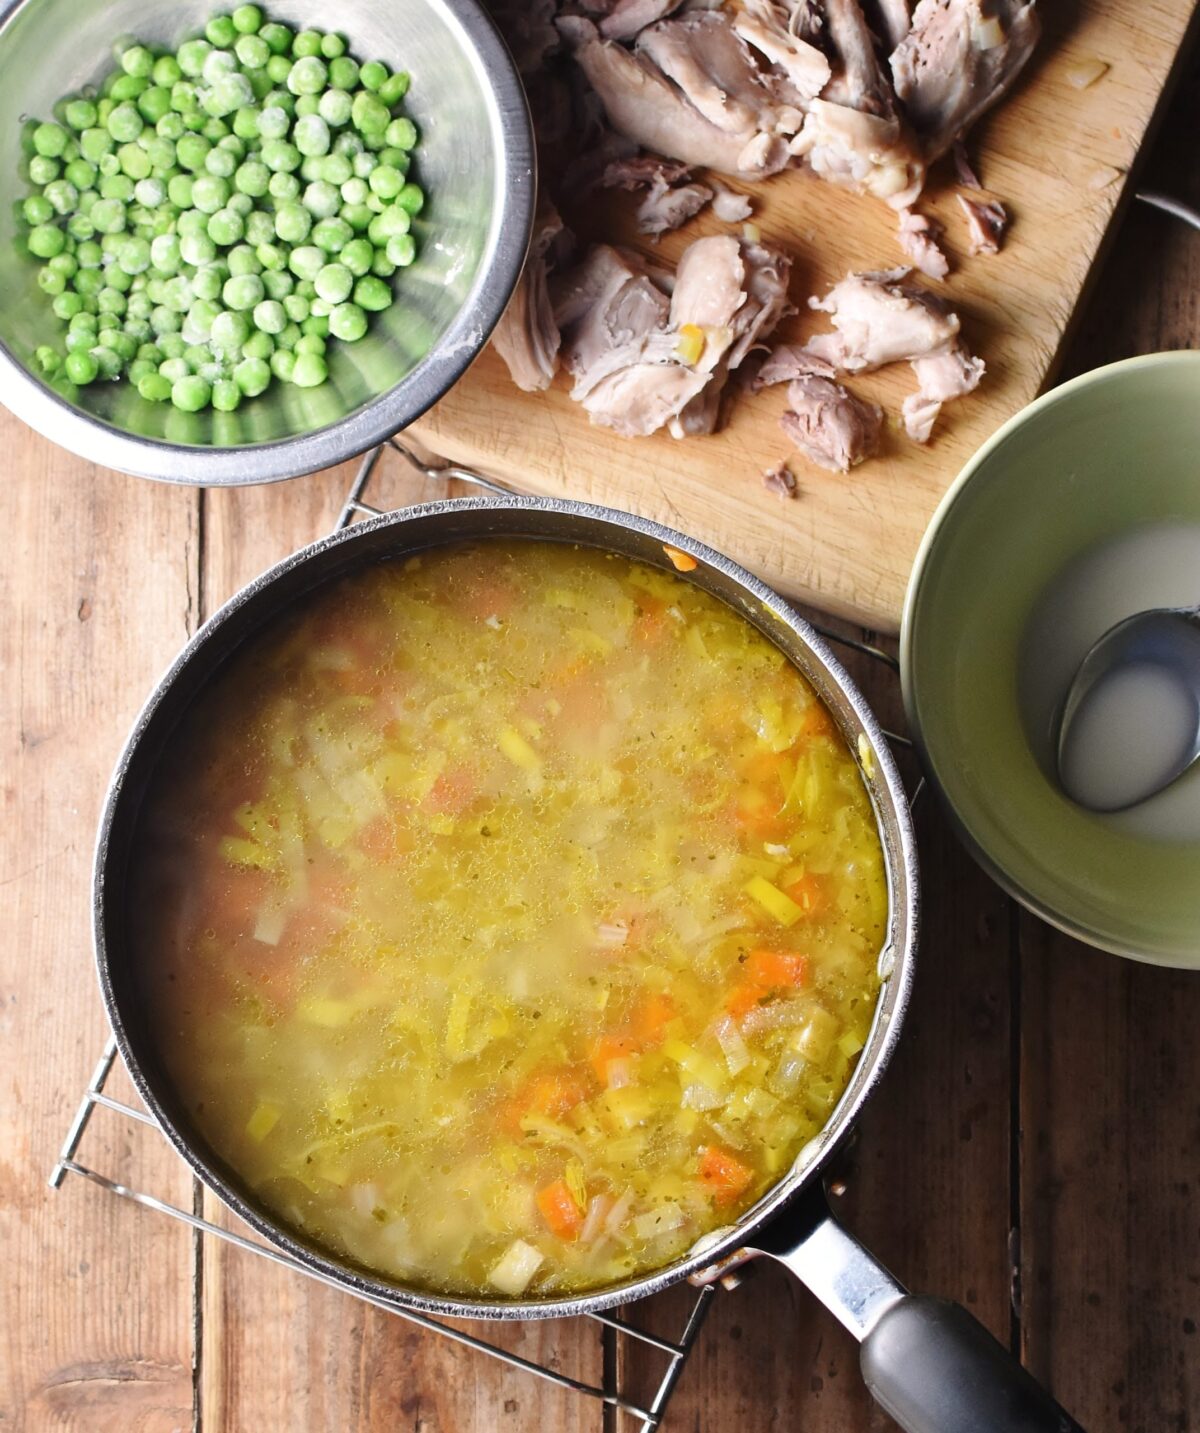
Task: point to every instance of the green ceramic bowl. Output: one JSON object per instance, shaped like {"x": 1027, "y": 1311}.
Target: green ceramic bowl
{"x": 1106, "y": 455}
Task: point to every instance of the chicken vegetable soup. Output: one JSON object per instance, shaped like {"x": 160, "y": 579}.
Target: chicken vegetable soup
{"x": 509, "y": 917}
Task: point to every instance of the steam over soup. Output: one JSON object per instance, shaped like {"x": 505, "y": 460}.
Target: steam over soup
{"x": 509, "y": 917}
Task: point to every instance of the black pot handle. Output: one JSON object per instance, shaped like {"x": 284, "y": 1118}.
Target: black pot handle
{"x": 927, "y": 1361}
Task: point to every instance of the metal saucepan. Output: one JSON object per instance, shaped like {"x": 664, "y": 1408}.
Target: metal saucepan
{"x": 927, "y": 1361}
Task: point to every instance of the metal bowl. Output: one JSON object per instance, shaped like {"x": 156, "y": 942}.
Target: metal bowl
{"x": 475, "y": 162}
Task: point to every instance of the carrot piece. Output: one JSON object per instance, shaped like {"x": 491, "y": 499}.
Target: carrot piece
{"x": 605, "y": 1049}
{"x": 809, "y": 894}
{"x": 557, "y": 1206}
{"x": 452, "y": 792}
{"x": 651, "y": 1018}
{"x": 726, "y": 1176}
{"x": 680, "y": 561}
{"x": 555, "y": 1094}
{"x": 764, "y": 972}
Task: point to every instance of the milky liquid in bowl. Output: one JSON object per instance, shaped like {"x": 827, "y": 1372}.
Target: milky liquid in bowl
{"x": 1154, "y": 565}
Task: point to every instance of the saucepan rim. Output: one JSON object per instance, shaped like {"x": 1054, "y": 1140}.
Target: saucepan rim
{"x": 892, "y": 816}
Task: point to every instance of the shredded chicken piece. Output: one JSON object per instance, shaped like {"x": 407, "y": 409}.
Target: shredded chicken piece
{"x": 622, "y": 333}
{"x": 752, "y": 319}
{"x": 788, "y": 361}
{"x": 957, "y": 61}
{"x": 647, "y": 107}
{"x": 963, "y": 170}
{"x": 670, "y": 206}
{"x": 768, "y": 27}
{"x": 527, "y": 336}
{"x": 941, "y": 377}
{"x": 780, "y": 479}
{"x": 643, "y": 171}
{"x": 829, "y": 424}
{"x": 919, "y": 237}
{"x": 628, "y": 18}
{"x": 879, "y": 318}
{"x": 729, "y": 206}
{"x": 853, "y": 134}
{"x": 987, "y": 222}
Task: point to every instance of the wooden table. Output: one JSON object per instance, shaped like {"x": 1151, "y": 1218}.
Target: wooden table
{"x": 1035, "y": 1151}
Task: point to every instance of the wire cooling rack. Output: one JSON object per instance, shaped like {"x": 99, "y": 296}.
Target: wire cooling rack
{"x": 615, "y": 1327}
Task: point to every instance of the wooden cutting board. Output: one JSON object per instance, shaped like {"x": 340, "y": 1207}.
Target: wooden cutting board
{"x": 1058, "y": 156}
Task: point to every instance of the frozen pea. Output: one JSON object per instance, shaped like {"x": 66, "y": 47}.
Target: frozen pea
{"x": 372, "y": 293}
{"x": 284, "y": 187}
{"x": 411, "y": 198}
{"x": 154, "y": 387}
{"x": 179, "y": 190}
{"x": 260, "y": 228}
{"x": 322, "y": 199}
{"x": 37, "y": 209}
{"x": 191, "y": 393}
{"x": 220, "y": 163}
{"x": 348, "y": 322}
{"x": 355, "y": 191}
{"x": 50, "y": 282}
{"x": 386, "y": 181}
{"x": 252, "y": 51}
{"x": 241, "y": 204}
{"x": 246, "y": 123}
{"x": 42, "y": 169}
{"x": 208, "y": 281}
{"x": 363, "y": 163}
{"x": 47, "y": 359}
{"x": 117, "y": 186}
{"x": 309, "y": 370}
{"x": 94, "y": 144}
{"x": 81, "y": 367}
{"x": 307, "y": 44}
{"x": 311, "y": 135}
{"x": 62, "y": 196}
{"x": 270, "y": 316}
{"x": 154, "y": 103}
{"x": 334, "y": 283}
{"x": 242, "y": 292}
{"x": 283, "y": 362}
{"x": 277, "y": 36}
{"x": 229, "y": 94}
{"x": 175, "y": 367}
{"x": 401, "y": 250}
{"x": 209, "y": 193}
{"x": 247, "y": 19}
{"x": 373, "y": 75}
{"x": 220, "y": 31}
{"x": 332, "y": 235}
{"x": 243, "y": 260}
{"x": 368, "y": 114}
{"x": 214, "y": 129}
{"x": 125, "y": 123}
{"x": 307, "y": 105}
{"x": 293, "y": 223}
{"x": 357, "y": 256}
{"x": 394, "y": 88}
{"x": 166, "y": 71}
{"x": 274, "y": 122}
{"x": 134, "y": 257}
{"x": 108, "y": 215}
{"x": 198, "y": 249}
{"x": 335, "y": 107}
{"x": 226, "y": 227}
{"x": 108, "y": 361}
{"x": 226, "y": 395}
{"x": 277, "y": 281}
{"x": 310, "y": 342}
{"x": 191, "y": 222}
{"x": 333, "y": 46}
{"x": 318, "y": 323}
{"x": 343, "y": 72}
{"x": 382, "y": 265}
{"x": 280, "y": 157}
{"x": 81, "y": 174}
{"x": 50, "y": 139}
{"x": 151, "y": 192}
{"x": 229, "y": 332}
{"x": 390, "y": 222}
{"x": 192, "y": 151}
{"x": 252, "y": 177}
{"x": 402, "y": 133}
{"x": 297, "y": 309}
{"x": 258, "y": 345}
{"x": 279, "y": 67}
{"x": 90, "y": 255}
{"x": 80, "y": 114}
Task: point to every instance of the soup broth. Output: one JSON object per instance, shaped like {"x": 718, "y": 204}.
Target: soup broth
{"x": 509, "y": 917}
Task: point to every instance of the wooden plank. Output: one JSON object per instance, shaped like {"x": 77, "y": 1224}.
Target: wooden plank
{"x": 927, "y": 1181}
{"x": 1110, "y": 1066}
{"x": 97, "y": 588}
{"x": 279, "y": 1350}
{"x": 847, "y": 545}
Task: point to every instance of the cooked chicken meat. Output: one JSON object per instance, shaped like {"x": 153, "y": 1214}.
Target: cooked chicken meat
{"x": 941, "y": 377}
{"x": 964, "y": 172}
{"x": 956, "y": 61}
{"x": 527, "y": 336}
{"x": 787, "y": 361}
{"x": 853, "y": 134}
{"x": 668, "y": 206}
{"x": 745, "y": 137}
{"x": 890, "y": 20}
{"x": 729, "y": 206}
{"x": 987, "y": 221}
{"x": 829, "y": 424}
{"x": 770, "y": 27}
{"x": 643, "y": 171}
{"x": 641, "y": 359}
{"x": 918, "y": 237}
{"x": 879, "y": 318}
{"x": 628, "y": 18}
{"x": 780, "y": 479}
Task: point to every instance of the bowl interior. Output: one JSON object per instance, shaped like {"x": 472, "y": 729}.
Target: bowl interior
{"x": 1107, "y": 455}
{"x": 51, "y": 47}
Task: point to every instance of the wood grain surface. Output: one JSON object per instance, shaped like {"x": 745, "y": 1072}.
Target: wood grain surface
{"x": 1058, "y": 156}
{"x": 1034, "y": 1152}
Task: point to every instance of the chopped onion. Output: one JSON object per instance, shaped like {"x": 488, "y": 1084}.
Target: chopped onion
{"x": 619, "y": 1073}
{"x": 729, "y": 1037}
{"x": 700, "y": 1097}
{"x": 517, "y": 1265}
{"x": 777, "y": 1015}
{"x": 612, "y": 934}
{"x": 596, "y": 1215}
{"x": 658, "y": 1221}
{"x": 618, "y": 1214}
{"x": 271, "y": 922}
